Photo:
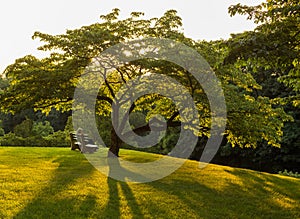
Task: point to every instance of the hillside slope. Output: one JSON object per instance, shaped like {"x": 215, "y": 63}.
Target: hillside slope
{"x": 59, "y": 183}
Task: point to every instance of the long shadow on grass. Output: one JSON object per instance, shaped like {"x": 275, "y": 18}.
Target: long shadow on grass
{"x": 252, "y": 199}
{"x": 274, "y": 192}
{"x": 112, "y": 209}
{"x": 113, "y": 206}
{"x": 49, "y": 203}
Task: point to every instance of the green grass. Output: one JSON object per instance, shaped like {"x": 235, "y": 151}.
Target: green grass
{"x": 59, "y": 183}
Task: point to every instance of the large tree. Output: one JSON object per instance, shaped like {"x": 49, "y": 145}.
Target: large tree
{"x": 51, "y": 82}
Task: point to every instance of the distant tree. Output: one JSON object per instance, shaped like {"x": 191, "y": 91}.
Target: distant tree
{"x": 24, "y": 129}
{"x": 1, "y": 129}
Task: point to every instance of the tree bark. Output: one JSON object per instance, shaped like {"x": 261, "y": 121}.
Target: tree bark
{"x": 114, "y": 145}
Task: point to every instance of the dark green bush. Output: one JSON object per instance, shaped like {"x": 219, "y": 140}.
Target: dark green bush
{"x": 57, "y": 139}
{"x": 11, "y": 139}
{"x": 42, "y": 129}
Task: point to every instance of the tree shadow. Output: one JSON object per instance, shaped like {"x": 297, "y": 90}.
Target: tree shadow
{"x": 246, "y": 195}
{"x": 48, "y": 203}
{"x": 252, "y": 195}
{"x": 251, "y": 199}
{"x": 112, "y": 209}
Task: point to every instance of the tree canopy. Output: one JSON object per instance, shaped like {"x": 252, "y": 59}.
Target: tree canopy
{"x": 271, "y": 53}
{"x": 51, "y": 81}
{"x": 273, "y": 45}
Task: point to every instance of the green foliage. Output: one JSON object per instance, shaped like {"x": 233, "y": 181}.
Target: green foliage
{"x": 104, "y": 126}
{"x": 274, "y": 45}
{"x": 29, "y": 128}
{"x": 3, "y": 84}
{"x": 41, "y": 134}
{"x": 50, "y": 82}
{"x": 1, "y": 129}
{"x": 271, "y": 54}
{"x": 69, "y": 126}
{"x": 56, "y": 118}
{"x": 11, "y": 139}
{"x": 42, "y": 128}
{"x": 137, "y": 119}
{"x": 57, "y": 139}
{"x": 289, "y": 173}
{"x": 24, "y": 129}
{"x": 169, "y": 141}
{"x": 265, "y": 158}
{"x": 10, "y": 121}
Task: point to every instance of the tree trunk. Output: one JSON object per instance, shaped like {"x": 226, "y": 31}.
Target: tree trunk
{"x": 115, "y": 144}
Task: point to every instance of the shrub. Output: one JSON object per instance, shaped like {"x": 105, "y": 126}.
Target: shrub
{"x": 57, "y": 139}
{"x": 12, "y": 139}
{"x": 289, "y": 173}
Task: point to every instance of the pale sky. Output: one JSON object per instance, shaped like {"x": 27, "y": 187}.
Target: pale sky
{"x": 19, "y": 19}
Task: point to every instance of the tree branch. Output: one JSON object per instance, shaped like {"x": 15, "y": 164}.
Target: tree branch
{"x": 107, "y": 99}
{"x": 108, "y": 85}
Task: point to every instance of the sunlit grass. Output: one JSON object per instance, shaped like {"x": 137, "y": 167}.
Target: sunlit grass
{"x": 59, "y": 183}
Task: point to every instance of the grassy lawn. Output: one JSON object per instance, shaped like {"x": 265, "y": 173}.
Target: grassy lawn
{"x": 59, "y": 183}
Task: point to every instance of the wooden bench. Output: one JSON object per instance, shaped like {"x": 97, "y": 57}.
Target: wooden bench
{"x": 83, "y": 143}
